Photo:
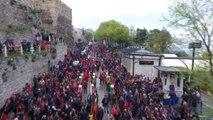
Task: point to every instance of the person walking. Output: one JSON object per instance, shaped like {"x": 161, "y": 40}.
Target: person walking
{"x": 100, "y": 114}
{"x": 105, "y": 103}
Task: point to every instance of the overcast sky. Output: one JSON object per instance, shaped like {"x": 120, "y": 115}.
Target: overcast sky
{"x": 139, "y": 13}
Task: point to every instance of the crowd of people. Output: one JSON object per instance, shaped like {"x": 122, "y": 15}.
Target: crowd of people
{"x": 59, "y": 93}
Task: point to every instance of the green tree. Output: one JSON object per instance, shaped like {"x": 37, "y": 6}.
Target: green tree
{"x": 88, "y": 36}
{"x": 195, "y": 17}
{"x": 182, "y": 54}
{"x": 158, "y": 41}
{"x": 112, "y": 31}
{"x": 154, "y": 31}
{"x": 141, "y": 36}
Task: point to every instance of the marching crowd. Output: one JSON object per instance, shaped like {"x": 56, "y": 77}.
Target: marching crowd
{"x": 58, "y": 93}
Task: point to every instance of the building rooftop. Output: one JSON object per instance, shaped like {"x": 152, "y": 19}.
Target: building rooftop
{"x": 167, "y": 68}
{"x": 139, "y": 52}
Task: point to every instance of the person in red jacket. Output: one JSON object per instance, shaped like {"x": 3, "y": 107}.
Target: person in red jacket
{"x": 115, "y": 111}
{"x": 20, "y": 110}
{"x": 103, "y": 77}
{"x": 113, "y": 80}
{"x": 95, "y": 108}
{"x": 4, "y": 116}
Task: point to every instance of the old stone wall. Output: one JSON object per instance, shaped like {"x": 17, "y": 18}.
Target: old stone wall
{"x": 65, "y": 11}
{"x": 17, "y": 20}
{"x": 17, "y": 37}
{"x": 29, "y": 3}
{"x": 65, "y": 21}
{"x": 15, "y": 73}
{"x": 64, "y": 27}
{"x": 56, "y": 17}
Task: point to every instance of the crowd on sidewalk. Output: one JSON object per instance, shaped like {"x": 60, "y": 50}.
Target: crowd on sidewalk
{"x": 57, "y": 94}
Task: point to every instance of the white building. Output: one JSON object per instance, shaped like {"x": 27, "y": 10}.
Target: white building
{"x": 140, "y": 61}
{"x": 78, "y": 34}
{"x": 167, "y": 66}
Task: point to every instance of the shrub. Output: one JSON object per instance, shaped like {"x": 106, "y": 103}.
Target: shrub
{"x": 12, "y": 2}
{"x": 204, "y": 80}
{"x": 44, "y": 53}
{"x": 33, "y": 58}
{"x": 26, "y": 57}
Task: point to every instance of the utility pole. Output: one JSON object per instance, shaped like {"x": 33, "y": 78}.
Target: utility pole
{"x": 193, "y": 58}
{"x": 133, "y": 66}
{"x": 194, "y": 45}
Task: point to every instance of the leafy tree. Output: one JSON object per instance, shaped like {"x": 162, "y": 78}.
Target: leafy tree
{"x": 154, "y": 31}
{"x": 195, "y": 17}
{"x": 159, "y": 40}
{"x": 141, "y": 36}
{"x": 182, "y": 54}
{"x": 112, "y": 31}
{"x": 88, "y": 36}
{"x": 203, "y": 79}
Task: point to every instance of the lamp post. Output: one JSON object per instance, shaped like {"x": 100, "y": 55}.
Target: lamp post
{"x": 193, "y": 45}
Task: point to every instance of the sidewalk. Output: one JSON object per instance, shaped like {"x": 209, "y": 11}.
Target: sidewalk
{"x": 207, "y": 107}
{"x": 208, "y": 101}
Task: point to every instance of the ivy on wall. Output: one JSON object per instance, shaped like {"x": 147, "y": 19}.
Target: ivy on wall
{"x": 11, "y": 28}
{"x": 13, "y": 2}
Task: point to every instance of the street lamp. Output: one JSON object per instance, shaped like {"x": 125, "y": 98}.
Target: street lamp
{"x": 193, "y": 45}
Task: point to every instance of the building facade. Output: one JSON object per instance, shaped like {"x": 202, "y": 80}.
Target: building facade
{"x": 139, "y": 61}
{"x": 142, "y": 62}
{"x": 78, "y": 34}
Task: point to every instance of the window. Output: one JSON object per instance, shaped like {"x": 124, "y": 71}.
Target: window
{"x": 178, "y": 81}
{"x": 172, "y": 76}
{"x": 146, "y": 62}
{"x": 165, "y": 81}
{"x": 165, "y": 75}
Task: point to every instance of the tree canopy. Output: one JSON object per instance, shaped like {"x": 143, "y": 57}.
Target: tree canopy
{"x": 141, "y": 36}
{"x": 182, "y": 54}
{"x": 88, "y": 36}
{"x": 158, "y": 41}
{"x": 112, "y": 31}
{"x": 195, "y": 17}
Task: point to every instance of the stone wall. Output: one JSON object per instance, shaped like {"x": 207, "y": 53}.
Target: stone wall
{"x": 17, "y": 20}
{"x": 56, "y": 17}
{"x": 17, "y": 37}
{"x": 65, "y": 15}
{"x": 29, "y": 3}
{"x": 64, "y": 27}
{"x": 15, "y": 73}
{"x": 65, "y": 11}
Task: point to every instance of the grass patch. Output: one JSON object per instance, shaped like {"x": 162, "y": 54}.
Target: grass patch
{"x": 204, "y": 80}
{"x": 27, "y": 53}
{"x": 12, "y": 28}
{"x": 207, "y": 111}
{"x": 13, "y": 54}
{"x": 1, "y": 55}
